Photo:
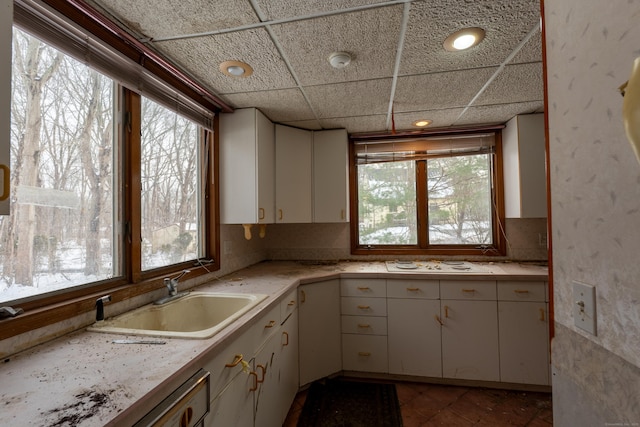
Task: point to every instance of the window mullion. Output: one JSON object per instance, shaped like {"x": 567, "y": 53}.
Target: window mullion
{"x": 132, "y": 187}
{"x": 422, "y": 206}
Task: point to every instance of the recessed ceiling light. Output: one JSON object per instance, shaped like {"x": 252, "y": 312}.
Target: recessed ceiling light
{"x": 421, "y": 123}
{"x": 464, "y": 39}
{"x": 236, "y": 69}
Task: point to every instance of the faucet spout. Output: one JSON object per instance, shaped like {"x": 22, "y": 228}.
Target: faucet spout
{"x": 172, "y": 287}
{"x": 100, "y": 307}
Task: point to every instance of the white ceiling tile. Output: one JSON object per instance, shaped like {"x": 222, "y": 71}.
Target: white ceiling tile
{"x": 370, "y": 37}
{"x": 165, "y": 18}
{"x": 497, "y": 113}
{"x": 279, "y": 9}
{"x": 278, "y": 105}
{"x": 439, "y": 90}
{"x": 350, "y": 99}
{"x": 506, "y": 24}
{"x": 369, "y": 123}
{"x": 439, "y": 118}
{"x": 516, "y": 83}
{"x": 203, "y": 55}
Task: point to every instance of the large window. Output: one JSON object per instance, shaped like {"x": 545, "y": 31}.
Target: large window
{"x": 110, "y": 186}
{"x": 431, "y": 195}
{"x": 60, "y": 233}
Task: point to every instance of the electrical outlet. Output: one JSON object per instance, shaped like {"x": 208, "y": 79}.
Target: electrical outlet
{"x": 584, "y": 307}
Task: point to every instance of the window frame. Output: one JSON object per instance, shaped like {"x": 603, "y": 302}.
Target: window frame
{"x": 498, "y": 248}
{"x": 49, "y": 308}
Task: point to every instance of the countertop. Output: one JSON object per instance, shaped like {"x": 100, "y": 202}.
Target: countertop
{"x": 84, "y": 379}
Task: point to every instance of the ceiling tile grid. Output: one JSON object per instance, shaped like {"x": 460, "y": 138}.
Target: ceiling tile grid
{"x": 398, "y": 58}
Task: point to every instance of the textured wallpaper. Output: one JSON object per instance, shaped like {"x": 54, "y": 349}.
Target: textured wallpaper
{"x": 595, "y": 178}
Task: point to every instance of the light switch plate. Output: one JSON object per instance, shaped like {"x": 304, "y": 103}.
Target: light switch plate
{"x": 584, "y": 307}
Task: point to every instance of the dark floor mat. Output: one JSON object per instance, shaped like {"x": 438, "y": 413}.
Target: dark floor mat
{"x": 340, "y": 403}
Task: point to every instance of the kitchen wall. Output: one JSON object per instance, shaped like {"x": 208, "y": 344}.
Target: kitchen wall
{"x": 595, "y": 193}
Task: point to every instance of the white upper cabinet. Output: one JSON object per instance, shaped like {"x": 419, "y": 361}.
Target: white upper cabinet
{"x": 247, "y": 168}
{"x": 330, "y": 176}
{"x": 523, "y": 146}
{"x": 293, "y": 175}
{"x": 6, "y": 24}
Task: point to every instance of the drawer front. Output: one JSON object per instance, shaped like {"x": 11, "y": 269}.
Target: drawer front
{"x": 366, "y": 325}
{"x": 228, "y": 363}
{"x": 363, "y": 288}
{"x": 364, "y": 353}
{"x": 356, "y": 306}
{"x": 468, "y": 289}
{"x": 521, "y": 291}
{"x": 421, "y": 289}
{"x": 288, "y": 305}
{"x": 266, "y": 326}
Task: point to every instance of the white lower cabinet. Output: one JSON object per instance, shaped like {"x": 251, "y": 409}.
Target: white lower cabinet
{"x": 233, "y": 406}
{"x": 469, "y": 313}
{"x": 319, "y": 330}
{"x": 524, "y": 333}
{"x": 413, "y": 308}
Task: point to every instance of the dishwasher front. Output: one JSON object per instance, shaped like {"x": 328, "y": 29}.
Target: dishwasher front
{"x": 185, "y": 407}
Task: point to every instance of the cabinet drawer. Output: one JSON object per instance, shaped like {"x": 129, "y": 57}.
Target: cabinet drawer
{"x": 363, "y": 288}
{"x": 468, "y": 289}
{"x": 521, "y": 291}
{"x": 422, "y": 289}
{"x": 367, "y": 325}
{"x": 266, "y": 326}
{"x": 356, "y": 306}
{"x": 365, "y": 353}
{"x": 288, "y": 305}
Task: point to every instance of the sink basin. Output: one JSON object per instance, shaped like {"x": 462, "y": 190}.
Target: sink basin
{"x": 196, "y": 315}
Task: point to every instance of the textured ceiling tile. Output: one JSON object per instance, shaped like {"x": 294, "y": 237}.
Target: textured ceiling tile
{"x": 278, "y": 105}
{"x": 279, "y": 9}
{"x": 304, "y": 124}
{"x": 374, "y": 123}
{"x": 516, "y": 83}
{"x": 506, "y": 23}
{"x": 370, "y": 36}
{"x": 203, "y": 55}
{"x": 439, "y": 90}
{"x": 439, "y": 118}
{"x": 498, "y": 113}
{"x": 350, "y": 99}
{"x": 164, "y": 18}
{"x": 530, "y": 52}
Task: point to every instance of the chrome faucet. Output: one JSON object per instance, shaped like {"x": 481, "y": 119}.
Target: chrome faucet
{"x": 172, "y": 286}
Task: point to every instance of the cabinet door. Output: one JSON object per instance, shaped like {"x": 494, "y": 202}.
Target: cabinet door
{"x": 267, "y": 396}
{"x": 6, "y": 23}
{"x": 288, "y": 362}
{"x": 234, "y": 405}
{"x": 524, "y": 342}
{"x": 414, "y": 337}
{"x": 470, "y": 340}
{"x": 293, "y": 175}
{"x": 247, "y": 162}
{"x": 319, "y": 330}
{"x": 330, "y": 176}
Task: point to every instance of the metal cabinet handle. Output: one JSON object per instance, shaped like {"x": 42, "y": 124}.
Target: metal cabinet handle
{"x": 303, "y": 296}
{"x": 260, "y": 213}
{"x": 271, "y": 324}
{"x": 439, "y": 320}
{"x": 6, "y": 187}
{"x": 364, "y": 353}
{"x": 542, "y": 316}
{"x": 236, "y": 361}
{"x": 280, "y": 214}
{"x": 363, "y": 325}
{"x": 521, "y": 291}
{"x": 446, "y": 311}
{"x": 468, "y": 291}
{"x": 255, "y": 386}
{"x": 413, "y": 289}
{"x": 364, "y": 307}
{"x": 264, "y": 372}
{"x": 286, "y": 335}
{"x": 363, "y": 288}
{"x": 291, "y": 303}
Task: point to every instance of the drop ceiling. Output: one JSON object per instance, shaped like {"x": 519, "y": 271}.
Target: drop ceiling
{"x": 399, "y": 72}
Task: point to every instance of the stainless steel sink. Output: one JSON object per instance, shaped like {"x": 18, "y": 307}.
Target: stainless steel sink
{"x": 197, "y": 315}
